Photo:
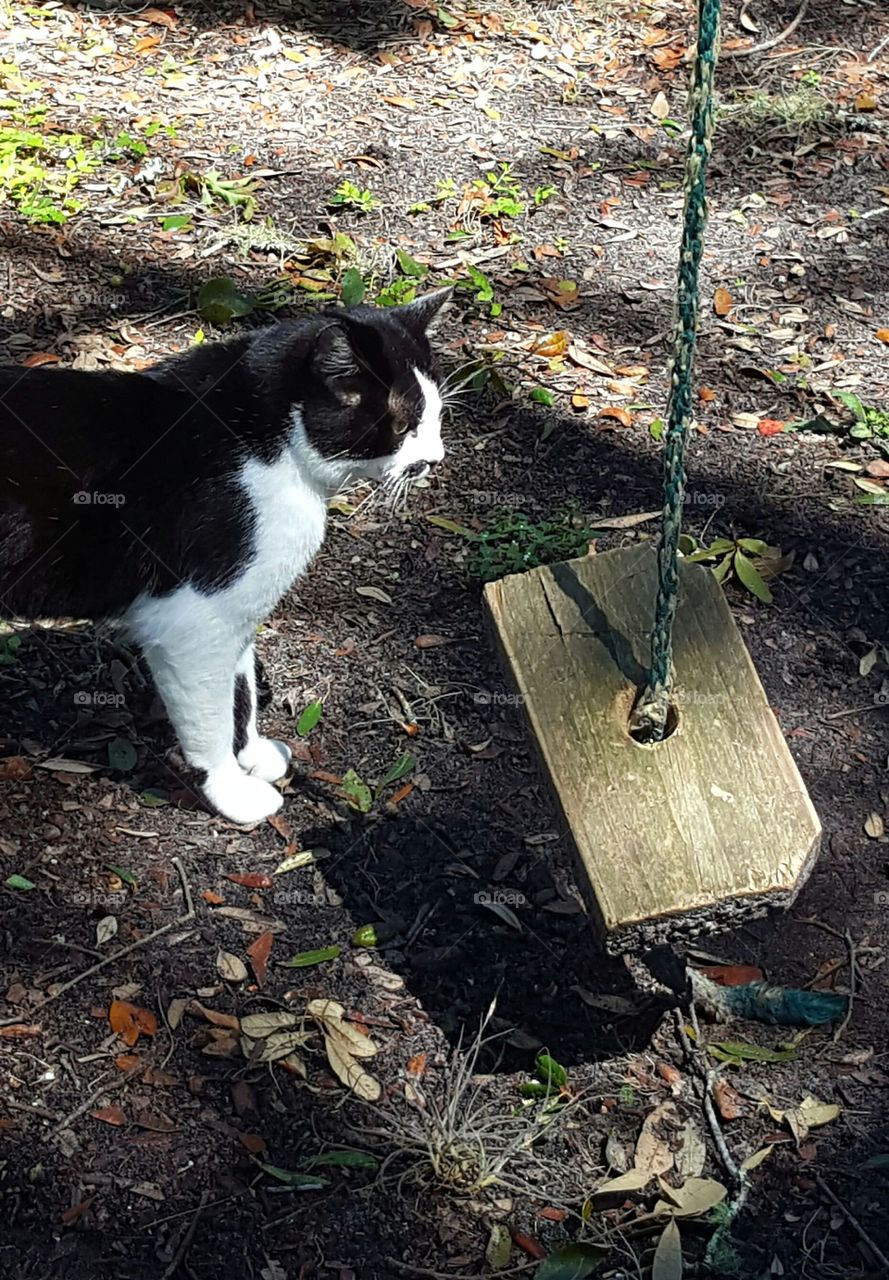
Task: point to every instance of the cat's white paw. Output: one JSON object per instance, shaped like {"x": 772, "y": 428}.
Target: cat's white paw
{"x": 265, "y": 758}
{"x": 240, "y": 797}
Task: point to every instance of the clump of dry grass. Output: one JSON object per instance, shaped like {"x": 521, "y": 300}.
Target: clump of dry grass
{"x": 461, "y": 1137}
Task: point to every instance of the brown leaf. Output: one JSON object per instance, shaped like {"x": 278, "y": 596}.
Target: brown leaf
{"x": 258, "y": 952}
{"x": 556, "y": 344}
{"x": 15, "y": 769}
{"x": 281, "y": 825}
{"x": 126, "y": 1062}
{"x": 20, "y": 1031}
{"x": 214, "y": 899}
{"x": 770, "y": 426}
{"x": 251, "y": 879}
{"x": 727, "y": 1099}
{"x": 417, "y": 1064}
{"x": 431, "y": 642}
{"x": 38, "y": 358}
{"x": 878, "y": 467}
{"x": 226, "y": 1020}
{"x": 401, "y": 794}
{"x": 76, "y": 1212}
{"x": 553, "y": 1214}
{"x": 623, "y": 416}
{"x": 732, "y": 975}
{"x": 396, "y": 100}
{"x": 722, "y": 302}
{"x": 156, "y": 1121}
{"x": 158, "y": 16}
{"x": 865, "y": 102}
{"x": 144, "y": 43}
{"x": 666, "y": 59}
{"x": 580, "y": 401}
{"x": 130, "y": 1022}
{"x": 109, "y": 1115}
{"x": 160, "y": 1079}
{"x": 883, "y": 335}
{"x": 527, "y": 1244}
{"x": 253, "y": 1142}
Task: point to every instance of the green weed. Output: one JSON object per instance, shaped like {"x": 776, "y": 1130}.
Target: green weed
{"x": 513, "y": 543}
{"x": 349, "y": 196}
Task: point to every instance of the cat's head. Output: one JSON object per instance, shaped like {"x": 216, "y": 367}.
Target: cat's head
{"x": 372, "y": 398}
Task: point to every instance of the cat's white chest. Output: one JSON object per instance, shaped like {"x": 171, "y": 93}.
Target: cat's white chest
{"x": 289, "y": 522}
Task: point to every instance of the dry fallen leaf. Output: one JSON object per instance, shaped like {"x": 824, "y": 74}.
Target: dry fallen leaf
{"x": 653, "y": 1154}
{"x": 130, "y": 1022}
{"x": 883, "y": 335}
{"x": 258, "y": 952}
{"x": 109, "y": 1115}
{"x": 344, "y": 1043}
{"x": 874, "y": 826}
{"x": 660, "y": 108}
{"x": 722, "y": 302}
{"x": 231, "y": 967}
{"x": 623, "y": 416}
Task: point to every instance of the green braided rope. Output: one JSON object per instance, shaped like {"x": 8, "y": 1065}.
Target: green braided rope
{"x": 650, "y": 715}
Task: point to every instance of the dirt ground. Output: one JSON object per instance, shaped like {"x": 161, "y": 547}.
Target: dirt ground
{"x": 137, "y": 1128}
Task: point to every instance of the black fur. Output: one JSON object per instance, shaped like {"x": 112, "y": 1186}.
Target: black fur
{"x": 115, "y": 484}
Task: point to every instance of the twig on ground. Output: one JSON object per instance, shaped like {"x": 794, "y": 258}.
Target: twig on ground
{"x": 875, "y": 53}
{"x": 772, "y": 40}
{"x": 124, "y": 951}
{"x": 187, "y": 1239}
{"x": 853, "y": 1222}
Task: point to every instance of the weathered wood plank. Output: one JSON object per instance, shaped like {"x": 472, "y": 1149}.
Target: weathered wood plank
{"x": 711, "y": 826}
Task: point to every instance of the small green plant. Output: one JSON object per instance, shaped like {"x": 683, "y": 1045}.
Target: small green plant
{"x": 542, "y": 194}
{"x": 868, "y": 422}
{"x": 9, "y": 647}
{"x": 501, "y": 194}
{"x": 483, "y": 290}
{"x": 513, "y": 543}
{"x": 397, "y": 292}
{"x": 749, "y": 561}
{"x": 349, "y": 196}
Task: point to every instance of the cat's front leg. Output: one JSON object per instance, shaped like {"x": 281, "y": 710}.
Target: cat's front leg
{"x": 265, "y": 758}
{"x": 193, "y": 653}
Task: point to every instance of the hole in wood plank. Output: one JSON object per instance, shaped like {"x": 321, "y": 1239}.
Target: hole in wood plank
{"x": 642, "y": 737}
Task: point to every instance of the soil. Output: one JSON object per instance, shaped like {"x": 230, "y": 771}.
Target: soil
{"x": 151, "y": 1159}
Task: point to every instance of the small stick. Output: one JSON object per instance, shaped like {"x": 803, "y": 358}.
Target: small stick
{"x": 124, "y": 951}
{"x": 853, "y": 1222}
{"x": 189, "y": 1236}
{"x": 111, "y": 1087}
{"x": 772, "y": 40}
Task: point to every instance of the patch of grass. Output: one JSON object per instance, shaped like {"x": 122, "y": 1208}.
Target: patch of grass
{"x": 801, "y": 107}
{"x": 458, "y": 1138}
{"x": 513, "y": 543}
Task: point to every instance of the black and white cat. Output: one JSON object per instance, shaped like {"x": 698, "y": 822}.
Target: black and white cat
{"x": 183, "y": 501}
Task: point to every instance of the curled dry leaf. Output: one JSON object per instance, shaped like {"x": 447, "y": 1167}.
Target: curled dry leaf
{"x": 230, "y": 967}
{"x": 621, "y": 415}
{"x": 344, "y": 1044}
{"x": 694, "y": 1197}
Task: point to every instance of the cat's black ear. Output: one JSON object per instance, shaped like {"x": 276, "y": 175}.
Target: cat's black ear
{"x": 332, "y": 355}
{"x": 423, "y": 314}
